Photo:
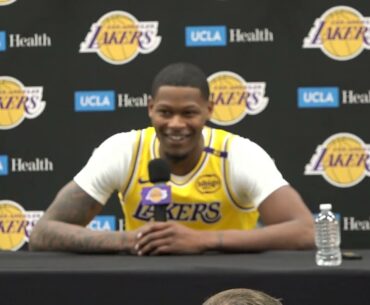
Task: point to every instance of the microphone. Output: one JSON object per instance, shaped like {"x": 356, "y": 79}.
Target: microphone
{"x": 160, "y": 194}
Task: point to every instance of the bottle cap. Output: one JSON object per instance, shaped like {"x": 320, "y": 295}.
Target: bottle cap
{"x": 325, "y": 206}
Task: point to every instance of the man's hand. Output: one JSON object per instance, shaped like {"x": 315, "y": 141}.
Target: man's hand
{"x": 169, "y": 238}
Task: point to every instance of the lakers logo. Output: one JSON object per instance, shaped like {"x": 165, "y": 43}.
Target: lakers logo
{"x": 342, "y": 33}
{"x": 15, "y": 225}
{"x": 343, "y": 160}
{"x": 117, "y": 37}
{"x": 157, "y": 194}
{"x": 18, "y": 102}
{"x": 6, "y": 2}
{"x": 234, "y": 98}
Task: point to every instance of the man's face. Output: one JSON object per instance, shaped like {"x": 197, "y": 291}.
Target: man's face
{"x": 178, "y": 115}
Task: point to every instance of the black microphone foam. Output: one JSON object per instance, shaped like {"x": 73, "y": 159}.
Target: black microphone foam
{"x": 159, "y": 171}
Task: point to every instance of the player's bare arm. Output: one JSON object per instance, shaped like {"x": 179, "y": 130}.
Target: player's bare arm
{"x": 63, "y": 226}
{"x": 288, "y": 225}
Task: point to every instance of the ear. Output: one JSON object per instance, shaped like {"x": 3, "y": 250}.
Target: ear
{"x": 210, "y": 107}
{"x": 150, "y": 107}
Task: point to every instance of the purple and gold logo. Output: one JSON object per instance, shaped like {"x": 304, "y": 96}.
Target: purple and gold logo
{"x": 118, "y": 37}
{"x": 6, "y": 2}
{"x": 18, "y": 102}
{"x": 342, "y": 33}
{"x": 16, "y": 225}
{"x": 156, "y": 195}
{"x": 234, "y": 98}
{"x": 343, "y": 160}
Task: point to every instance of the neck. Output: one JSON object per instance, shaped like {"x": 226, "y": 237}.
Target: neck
{"x": 183, "y": 165}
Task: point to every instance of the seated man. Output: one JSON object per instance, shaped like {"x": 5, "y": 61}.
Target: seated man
{"x": 241, "y": 296}
{"x": 221, "y": 184}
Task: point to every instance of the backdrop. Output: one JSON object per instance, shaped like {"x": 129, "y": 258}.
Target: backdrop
{"x": 290, "y": 75}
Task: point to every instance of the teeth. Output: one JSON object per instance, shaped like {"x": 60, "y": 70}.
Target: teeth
{"x": 176, "y": 138}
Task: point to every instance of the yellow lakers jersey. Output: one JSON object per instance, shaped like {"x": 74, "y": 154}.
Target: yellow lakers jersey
{"x": 201, "y": 200}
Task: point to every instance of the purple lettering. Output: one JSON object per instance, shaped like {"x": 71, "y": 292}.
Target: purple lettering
{"x": 252, "y": 101}
{"x": 335, "y": 161}
{"x": 10, "y": 100}
{"x": 365, "y": 37}
{"x": 361, "y": 33}
{"x": 349, "y": 160}
{"x": 183, "y": 212}
{"x": 336, "y": 33}
{"x": 199, "y": 209}
{"x": 22, "y": 226}
{"x": 10, "y": 226}
{"x": 347, "y": 33}
{"x": 2, "y": 229}
{"x": 213, "y": 214}
{"x": 144, "y": 212}
{"x": 93, "y": 40}
{"x": 110, "y": 38}
{"x": 363, "y": 160}
{"x": 318, "y": 163}
{"x": 219, "y": 99}
{"x": 136, "y": 36}
{"x": 122, "y": 39}
{"x": 315, "y": 39}
{"x": 147, "y": 35}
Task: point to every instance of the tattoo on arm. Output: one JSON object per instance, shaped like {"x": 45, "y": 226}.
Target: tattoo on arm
{"x": 63, "y": 225}
{"x": 73, "y": 205}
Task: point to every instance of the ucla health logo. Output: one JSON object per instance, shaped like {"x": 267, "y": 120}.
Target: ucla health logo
{"x": 16, "y": 225}
{"x": 342, "y": 33}
{"x": 234, "y": 98}
{"x": 4, "y": 165}
{"x": 201, "y": 36}
{"x": 6, "y": 2}
{"x": 318, "y": 97}
{"x": 19, "y": 165}
{"x": 18, "y": 102}
{"x": 343, "y": 160}
{"x": 95, "y": 101}
{"x": 216, "y": 36}
{"x": 2, "y": 41}
{"x": 118, "y": 37}
{"x": 22, "y": 41}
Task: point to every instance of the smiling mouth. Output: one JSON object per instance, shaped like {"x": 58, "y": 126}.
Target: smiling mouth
{"x": 177, "y": 138}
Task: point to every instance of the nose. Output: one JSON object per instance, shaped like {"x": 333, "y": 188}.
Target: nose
{"x": 177, "y": 122}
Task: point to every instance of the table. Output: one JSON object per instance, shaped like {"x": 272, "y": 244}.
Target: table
{"x": 67, "y": 279}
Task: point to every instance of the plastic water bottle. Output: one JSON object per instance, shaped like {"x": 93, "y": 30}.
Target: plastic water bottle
{"x": 327, "y": 237}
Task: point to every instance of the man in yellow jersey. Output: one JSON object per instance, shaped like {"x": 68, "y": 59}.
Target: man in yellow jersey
{"x": 221, "y": 185}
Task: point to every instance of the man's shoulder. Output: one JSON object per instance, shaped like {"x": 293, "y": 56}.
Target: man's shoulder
{"x": 231, "y": 137}
{"x": 219, "y": 132}
{"x": 122, "y": 138}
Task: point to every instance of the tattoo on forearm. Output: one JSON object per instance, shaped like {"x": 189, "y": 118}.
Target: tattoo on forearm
{"x": 73, "y": 205}
{"x": 58, "y": 236}
{"x": 63, "y": 225}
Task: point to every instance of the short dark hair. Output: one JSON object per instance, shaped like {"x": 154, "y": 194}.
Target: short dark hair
{"x": 181, "y": 74}
{"x": 241, "y": 296}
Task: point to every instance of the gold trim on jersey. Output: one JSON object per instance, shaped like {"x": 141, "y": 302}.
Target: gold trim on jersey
{"x": 136, "y": 153}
